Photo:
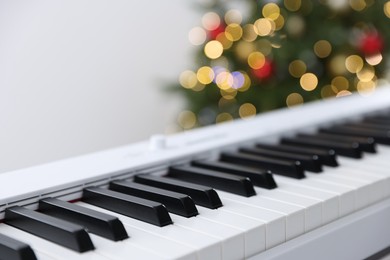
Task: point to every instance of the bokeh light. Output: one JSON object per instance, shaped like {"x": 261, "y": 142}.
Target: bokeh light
{"x": 308, "y": 81}
{"x": 233, "y": 16}
{"x": 297, "y": 68}
{"x": 256, "y": 60}
{"x": 213, "y": 49}
{"x": 271, "y": 11}
{"x": 247, "y": 110}
{"x": 322, "y": 48}
{"x": 354, "y": 63}
{"x": 211, "y": 21}
{"x": 188, "y": 79}
{"x": 205, "y": 75}
{"x": 187, "y": 119}
{"x": 294, "y": 99}
{"x": 264, "y": 26}
{"x": 386, "y": 9}
{"x": 223, "y": 117}
{"x": 197, "y": 36}
{"x": 292, "y": 5}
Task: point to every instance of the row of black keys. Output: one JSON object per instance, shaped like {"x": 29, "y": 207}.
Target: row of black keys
{"x": 149, "y": 198}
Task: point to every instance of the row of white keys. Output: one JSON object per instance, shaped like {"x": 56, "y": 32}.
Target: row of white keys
{"x": 275, "y": 223}
{"x": 254, "y": 230}
{"x": 179, "y": 242}
{"x": 294, "y": 215}
{"x": 239, "y": 236}
{"x": 329, "y": 201}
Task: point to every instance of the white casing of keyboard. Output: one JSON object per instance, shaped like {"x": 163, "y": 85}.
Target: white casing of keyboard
{"x": 66, "y": 178}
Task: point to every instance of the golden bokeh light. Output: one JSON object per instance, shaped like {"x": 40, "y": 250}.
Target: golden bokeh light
{"x": 225, "y": 103}
{"x": 256, "y": 60}
{"x": 225, "y": 39}
{"x": 386, "y": 9}
{"x": 337, "y": 65}
{"x": 322, "y": 48}
{"x": 357, "y": 5}
{"x": 233, "y": 32}
{"x": 279, "y": 23}
{"x": 271, "y": 11}
{"x": 213, "y": 49}
{"x": 188, "y": 79}
{"x": 294, "y": 99}
{"x": 223, "y": 117}
{"x": 297, "y": 68}
{"x": 308, "y": 81}
{"x": 366, "y": 88}
{"x": 198, "y": 87}
{"x": 228, "y": 94}
{"x": 224, "y": 80}
{"x": 340, "y": 83}
{"x": 354, "y": 63}
{"x": 375, "y": 59}
{"x": 187, "y": 119}
{"x": 211, "y": 21}
{"x": 366, "y": 74}
{"x": 247, "y": 83}
{"x": 205, "y": 75}
{"x": 247, "y": 110}
{"x": 233, "y": 16}
{"x": 292, "y": 5}
{"x": 249, "y": 33}
{"x": 264, "y": 26}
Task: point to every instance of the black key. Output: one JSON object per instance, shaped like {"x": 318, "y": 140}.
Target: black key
{"x": 379, "y": 121}
{"x": 11, "y": 249}
{"x": 258, "y": 177}
{"x": 369, "y": 125}
{"x": 326, "y": 156}
{"x": 141, "y": 209}
{"x": 202, "y": 195}
{"x": 348, "y": 150}
{"x": 56, "y": 230}
{"x": 176, "y": 203}
{"x": 96, "y": 222}
{"x": 223, "y": 181}
{"x": 287, "y": 168}
{"x": 308, "y": 162}
{"x": 366, "y": 144}
{"x": 380, "y": 136}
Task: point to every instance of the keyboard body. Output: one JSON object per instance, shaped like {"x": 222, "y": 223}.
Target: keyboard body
{"x": 355, "y": 236}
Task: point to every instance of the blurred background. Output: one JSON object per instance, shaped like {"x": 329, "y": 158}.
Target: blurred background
{"x": 81, "y": 76}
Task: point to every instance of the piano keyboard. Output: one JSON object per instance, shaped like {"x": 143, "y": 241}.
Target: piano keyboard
{"x": 305, "y": 183}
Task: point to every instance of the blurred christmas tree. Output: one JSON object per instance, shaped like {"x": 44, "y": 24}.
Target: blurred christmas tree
{"x": 282, "y": 53}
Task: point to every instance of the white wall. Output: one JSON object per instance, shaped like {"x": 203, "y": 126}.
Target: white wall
{"x": 84, "y": 75}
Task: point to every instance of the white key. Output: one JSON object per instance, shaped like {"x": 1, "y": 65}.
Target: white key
{"x": 275, "y": 222}
{"x": 313, "y": 207}
{"x": 362, "y": 188}
{"x": 330, "y": 202}
{"x": 347, "y": 195}
{"x": 204, "y": 246}
{"x": 376, "y": 183}
{"x": 295, "y": 215}
{"x": 125, "y": 249}
{"x": 46, "y": 247}
{"x": 232, "y": 239}
{"x": 370, "y": 168}
{"x": 253, "y": 229}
